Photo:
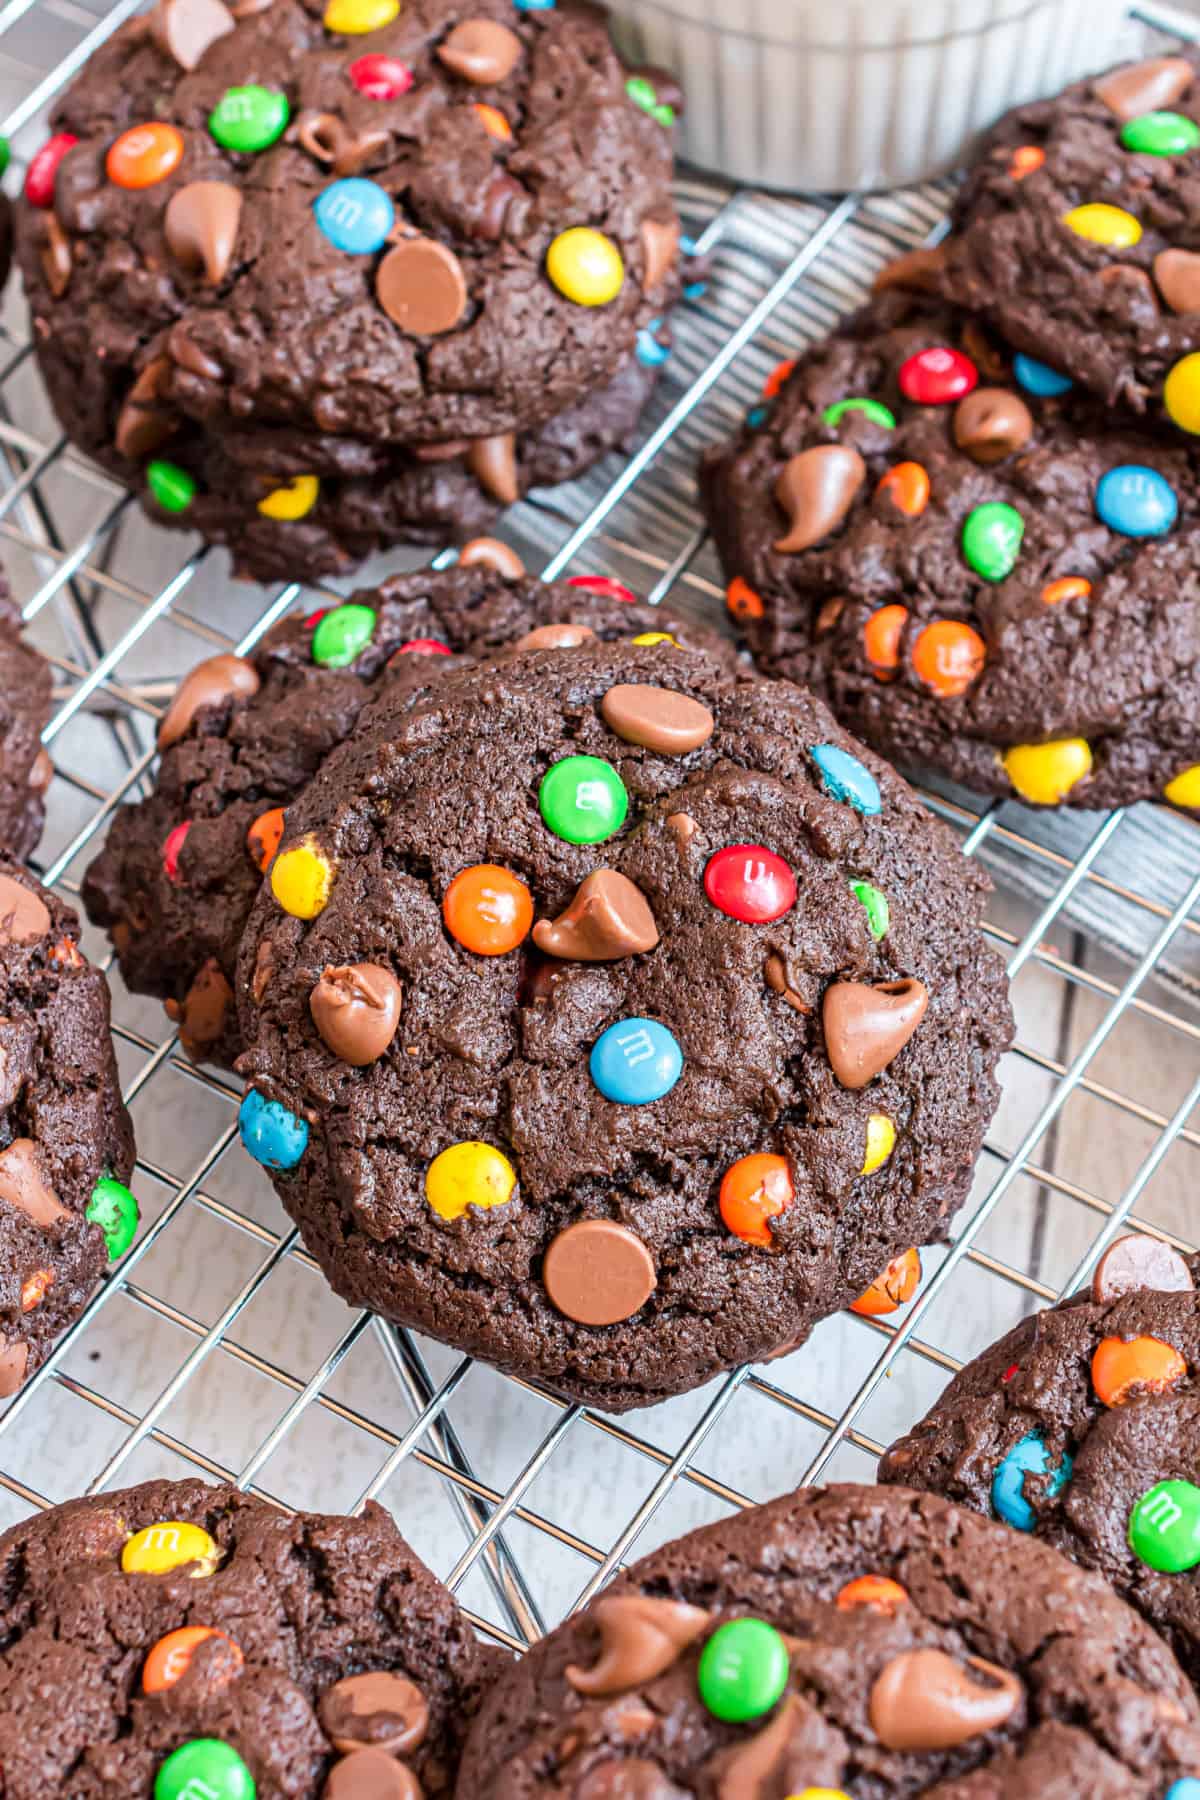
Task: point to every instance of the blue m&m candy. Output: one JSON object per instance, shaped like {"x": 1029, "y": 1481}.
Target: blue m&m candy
{"x": 355, "y": 215}
{"x": 1037, "y": 378}
{"x": 846, "y": 779}
{"x": 1186, "y": 1788}
{"x": 650, "y": 353}
{"x": 1136, "y": 501}
{"x": 275, "y": 1137}
{"x": 636, "y": 1061}
{"x": 534, "y": 5}
{"x": 1029, "y": 1457}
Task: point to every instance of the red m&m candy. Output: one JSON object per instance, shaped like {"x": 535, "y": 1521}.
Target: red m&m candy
{"x": 938, "y": 376}
{"x": 423, "y": 647}
{"x": 750, "y": 883}
{"x": 40, "y": 176}
{"x": 172, "y": 850}
{"x": 603, "y": 584}
{"x": 380, "y": 77}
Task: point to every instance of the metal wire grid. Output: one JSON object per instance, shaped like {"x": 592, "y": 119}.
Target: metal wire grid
{"x": 493, "y": 1519}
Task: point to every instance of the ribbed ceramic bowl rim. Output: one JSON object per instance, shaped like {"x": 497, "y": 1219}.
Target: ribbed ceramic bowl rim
{"x": 889, "y": 46}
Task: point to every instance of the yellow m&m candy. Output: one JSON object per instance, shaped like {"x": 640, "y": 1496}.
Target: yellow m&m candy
{"x": 468, "y": 1174}
{"x": 301, "y": 880}
{"x": 1100, "y": 223}
{"x": 1044, "y": 774}
{"x": 1181, "y": 393}
{"x": 820, "y": 1794}
{"x": 881, "y": 1141}
{"x": 293, "y": 501}
{"x": 656, "y": 637}
{"x": 1184, "y": 790}
{"x": 173, "y": 1544}
{"x": 585, "y": 266}
{"x": 356, "y": 17}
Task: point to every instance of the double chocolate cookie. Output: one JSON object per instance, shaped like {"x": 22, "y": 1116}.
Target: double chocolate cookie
{"x": 613, "y": 1016}
{"x": 1082, "y": 1426}
{"x": 982, "y": 578}
{"x": 67, "y": 1142}
{"x": 858, "y": 1641}
{"x": 179, "y": 872}
{"x": 25, "y": 768}
{"x": 344, "y": 265}
{"x": 1077, "y": 234}
{"x": 196, "y": 1642}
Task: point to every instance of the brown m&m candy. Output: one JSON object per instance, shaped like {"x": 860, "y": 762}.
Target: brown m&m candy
{"x": 380, "y": 1709}
{"x": 991, "y": 423}
{"x": 640, "y": 1637}
{"x": 867, "y": 1027}
{"x": 24, "y": 915}
{"x": 482, "y": 51}
{"x": 609, "y": 918}
{"x": 657, "y": 718}
{"x": 924, "y": 1700}
{"x": 421, "y": 287}
{"x": 1137, "y": 1262}
{"x": 208, "y": 684}
{"x": 598, "y": 1272}
{"x": 201, "y": 226}
{"x": 816, "y": 490}
{"x": 356, "y": 1010}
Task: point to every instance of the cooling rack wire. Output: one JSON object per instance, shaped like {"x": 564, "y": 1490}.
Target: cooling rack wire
{"x": 215, "y": 1348}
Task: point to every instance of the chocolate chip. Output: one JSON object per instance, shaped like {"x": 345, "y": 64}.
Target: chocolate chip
{"x": 490, "y": 553}
{"x": 380, "y": 1709}
{"x": 816, "y": 490}
{"x": 421, "y": 287}
{"x": 210, "y": 683}
{"x": 24, "y": 916}
{"x": 24, "y": 1184}
{"x": 356, "y": 1010}
{"x": 1136, "y": 1262}
{"x": 991, "y": 424}
{"x": 481, "y": 51}
{"x": 598, "y": 1273}
{"x": 657, "y": 718}
{"x": 186, "y": 28}
{"x": 609, "y": 918}
{"x": 201, "y": 227}
{"x": 867, "y": 1027}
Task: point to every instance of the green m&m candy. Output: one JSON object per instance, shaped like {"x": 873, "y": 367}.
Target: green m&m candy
{"x": 643, "y": 94}
{"x": 1164, "y": 1527}
{"x": 743, "y": 1670}
{"x": 248, "y": 118}
{"x": 875, "y": 905}
{"x": 583, "y": 799}
{"x": 991, "y": 539}
{"x": 5, "y": 154}
{"x": 1161, "y": 134}
{"x": 172, "y": 487}
{"x": 876, "y": 411}
{"x": 113, "y": 1208}
{"x": 205, "y": 1769}
{"x": 342, "y": 635}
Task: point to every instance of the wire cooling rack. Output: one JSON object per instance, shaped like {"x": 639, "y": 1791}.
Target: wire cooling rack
{"x": 215, "y": 1348}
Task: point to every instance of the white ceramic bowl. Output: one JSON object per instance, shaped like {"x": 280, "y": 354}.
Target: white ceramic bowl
{"x": 828, "y": 95}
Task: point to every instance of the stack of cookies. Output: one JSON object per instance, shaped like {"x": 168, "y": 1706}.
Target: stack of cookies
{"x": 970, "y": 517}
{"x": 315, "y": 279}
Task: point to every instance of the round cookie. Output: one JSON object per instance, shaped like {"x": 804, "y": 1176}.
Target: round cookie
{"x": 67, "y": 1141}
{"x": 357, "y": 498}
{"x": 246, "y": 737}
{"x": 25, "y": 699}
{"x": 542, "y": 997}
{"x": 847, "y": 1641}
{"x": 1077, "y": 235}
{"x": 390, "y": 225}
{"x": 982, "y": 580}
{"x": 1082, "y": 1426}
{"x": 199, "y": 1642}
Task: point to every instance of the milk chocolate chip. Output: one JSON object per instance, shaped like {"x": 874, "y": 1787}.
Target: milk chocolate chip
{"x": 201, "y": 227}
{"x": 816, "y": 490}
{"x": 23, "y": 1184}
{"x": 482, "y": 51}
{"x": 924, "y": 1700}
{"x": 421, "y": 287}
{"x": 1136, "y": 1262}
{"x": 640, "y": 1637}
{"x": 657, "y": 718}
{"x": 24, "y": 916}
{"x": 867, "y": 1027}
{"x": 991, "y": 423}
{"x": 217, "y": 679}
{"x": 380, "y": 1709}
{"x": 609, "y": 918}
{"x": 356, "y": 1009}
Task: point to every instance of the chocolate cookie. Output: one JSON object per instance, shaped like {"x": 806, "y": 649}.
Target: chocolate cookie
{"x": 982, "y": 579}
{"x": 853, "y": 1641}
{"x": 198, "y": 1643}
{"x": 68, "y": 1142}
{"x": 411, "y": 228}
{"x": 25, "y": 768}
{"x": 178, "y": 874}
{"x": 614, "y": 1017}
{"x": 1083, "y": 1427}
{"x": 1077, "y": 234}
{"x": 370, "y": 496}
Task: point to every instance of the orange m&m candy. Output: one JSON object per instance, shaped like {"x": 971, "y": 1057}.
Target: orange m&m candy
{"x": 1025, "y": 159}
{"x": 897, "y": 1284}
{"x": 1143, "y": 1365}
{"x": 168, "y": 1661}
{"x": 907, "y": 484}
{"x": 742, "y": 601}
{"x": 879, "y": 1593}
{"x": 488, "y": 909}
{"x": 262, "y": 839}
{"x": 33, "y": 1291}
{"x": 144, "y": 155}
{"x": 1067, "y": 587}
{"x": 948, "y": 657}
{"x": 881, "y": 639}
{"x": 755, "y": 1189}
{"x": 493, "y": 121}
{"x": 775, "y": 380}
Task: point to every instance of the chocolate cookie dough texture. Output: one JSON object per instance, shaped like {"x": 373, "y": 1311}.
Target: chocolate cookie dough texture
{"x": 178, "y": 874}
{"x": 67, "y": 1143}
{"x": 842, "y": 1643}
{"x": 613, "y": 1016}
{"x": 25, "y": 699}
{"x": 1077, "y": 235}
{"x": 200, "y": 1645}
{"x": 315, "y": 278}
{"x": 1081, "y": 1427}
{"x": 984, "y": 572}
